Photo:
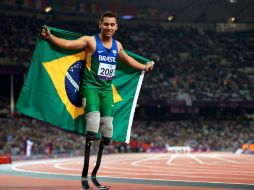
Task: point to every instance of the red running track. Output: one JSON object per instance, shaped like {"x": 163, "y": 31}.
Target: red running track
{"x": 136, "y": 171}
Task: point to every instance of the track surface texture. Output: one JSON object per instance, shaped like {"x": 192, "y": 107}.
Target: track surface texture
{"x": 148, "y": 171}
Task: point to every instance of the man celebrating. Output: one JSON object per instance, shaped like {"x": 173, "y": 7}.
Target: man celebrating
{"x": 102, "y": 52}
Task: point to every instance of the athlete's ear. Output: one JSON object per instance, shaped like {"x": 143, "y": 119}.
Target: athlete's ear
{"x": 116, "y": 26}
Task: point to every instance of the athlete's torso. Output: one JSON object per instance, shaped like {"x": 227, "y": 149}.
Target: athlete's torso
{"x": 100, "y": 66}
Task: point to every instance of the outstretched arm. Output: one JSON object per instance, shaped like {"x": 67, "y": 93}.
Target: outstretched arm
{"x": 125, "y": 58}
{"x": 63, "y": 43}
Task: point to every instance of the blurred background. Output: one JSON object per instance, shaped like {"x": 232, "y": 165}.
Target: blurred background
{"x": 200, "y": 96}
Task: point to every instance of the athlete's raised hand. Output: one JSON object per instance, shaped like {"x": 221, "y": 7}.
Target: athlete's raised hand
{"x": 45, "y": 32}
{"x": 149, "y": 66}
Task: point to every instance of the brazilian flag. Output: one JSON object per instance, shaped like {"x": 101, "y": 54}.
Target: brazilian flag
{"x": 51, "y": 90}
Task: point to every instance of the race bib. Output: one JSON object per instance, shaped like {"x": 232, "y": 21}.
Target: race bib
{"x": 106, "y": 71}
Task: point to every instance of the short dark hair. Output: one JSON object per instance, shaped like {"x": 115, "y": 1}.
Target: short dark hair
{"x": 108, "y": 14}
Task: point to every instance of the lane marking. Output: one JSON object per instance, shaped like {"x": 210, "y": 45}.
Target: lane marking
{"x": 195, "y": 158}
{"x": 134, "y": 173}
{"x": 223, "y": 159}
{"x": 174, "y": 175}
{"x": 180, "y": 171}
{"x": 171, "y": 159}
{"x": 109, "y": 161}
{"x": 60, "y": 165}
{"x": 130, "y": 178}
{"x": 153, "y": 157}
{"x": 212, "y": 182}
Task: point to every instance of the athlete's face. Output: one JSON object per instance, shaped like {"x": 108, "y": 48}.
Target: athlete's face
{"x": 108, "y": 26}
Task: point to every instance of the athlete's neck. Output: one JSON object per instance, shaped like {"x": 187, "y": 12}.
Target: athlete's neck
{"x": 107, "y": 41}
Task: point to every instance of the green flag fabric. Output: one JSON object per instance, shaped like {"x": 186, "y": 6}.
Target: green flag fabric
{"x": 51, "y": 90}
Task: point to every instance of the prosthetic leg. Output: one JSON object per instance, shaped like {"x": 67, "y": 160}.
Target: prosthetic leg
{"x": 90, "y": 137}
{"x": 104, "y": 142}
{"x": 93, "y": 120}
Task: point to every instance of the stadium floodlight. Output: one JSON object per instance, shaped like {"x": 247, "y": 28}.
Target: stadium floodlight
{"x": 48, "y": 9}
{"x": 232, "y": 1}
{"x": 127, "y": 17}
{"x": 170, "y": 18}
{"x": 231, "y": 19}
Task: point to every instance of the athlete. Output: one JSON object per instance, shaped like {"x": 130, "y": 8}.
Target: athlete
{"x": 102, "y": 52}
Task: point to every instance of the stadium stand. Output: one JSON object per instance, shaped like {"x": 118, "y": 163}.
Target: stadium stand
{"x": 203, "y": 83}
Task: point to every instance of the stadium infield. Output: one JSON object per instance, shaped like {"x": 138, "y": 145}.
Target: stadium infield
{"x": 149, "y": 171}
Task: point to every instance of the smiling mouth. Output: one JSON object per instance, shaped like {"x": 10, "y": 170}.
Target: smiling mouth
{"x": 109, "y": 32}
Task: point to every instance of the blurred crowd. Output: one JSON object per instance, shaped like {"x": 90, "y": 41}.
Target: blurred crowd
{"x": 16, "y": 133}
{"x": 201, "y": 65}
{"x": 196, "y": 133}
{"x": 190, "y": 63}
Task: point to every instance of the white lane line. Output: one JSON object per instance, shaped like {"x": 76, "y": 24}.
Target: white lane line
{"x": 195, "y": 158}
{"x": 153, "y": 157}
{"x": 115, "y": 177}
{"x": 62, "y": 165}
{"x": 174, "y": 175}
{"x": 124, "y": 173}
{"x": 59, "y": 166}
{"x": 223, "y": 159}
{"x": 171, "y": 159}
{"x": 45, "y": 162}
{"x": 179, "y": 171}
{"x": 192, "y": 169}
{"x": 212, "y": 182}
{"x": 15, "y": 168}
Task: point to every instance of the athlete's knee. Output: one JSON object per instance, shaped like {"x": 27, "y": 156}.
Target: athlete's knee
{"x": 105, "y": 141}
{"x": 93, "y": 122}
{"x": 107, "y": 127}
{"x": 90, "y": 136}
